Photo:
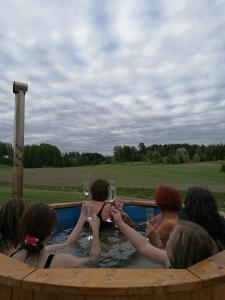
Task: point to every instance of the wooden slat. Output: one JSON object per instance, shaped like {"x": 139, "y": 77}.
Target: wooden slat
{"x": 211, "y": 270}
{"x": 111, "y": 282}
{"x": 44, "y": 296}
{"x": 21, "y": 294}
{"x": 70, "y": 297}
{"x": 12, "y": 271}
{"x": 5, "y": 292}
{"x": 218, "y": 292}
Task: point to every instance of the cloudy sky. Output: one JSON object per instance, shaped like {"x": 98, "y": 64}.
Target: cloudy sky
{"x": 112, "y": 72}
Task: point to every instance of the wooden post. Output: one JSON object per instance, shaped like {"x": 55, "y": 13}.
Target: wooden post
{"x": 19, "y": 89}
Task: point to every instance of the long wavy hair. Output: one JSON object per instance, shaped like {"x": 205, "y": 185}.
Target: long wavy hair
{"x": 201, "y": 208}
{"x": 11, "y": 212}
{"x": 37, "y": 225}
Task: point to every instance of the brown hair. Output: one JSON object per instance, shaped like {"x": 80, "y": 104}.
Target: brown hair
{"x": 188, "y": 244}
{"x": 38, "y": 223}
{"x": 99, "y": 190}
{"x": 11, "y": 212}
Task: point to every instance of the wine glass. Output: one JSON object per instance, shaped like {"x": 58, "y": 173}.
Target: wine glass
{"x": 86, "y": 188}
{"x": 109, "y": 218}
{"x": 112, "y": 190}
{"x": 149, "y": 215}
{"x": 90, "y": 218}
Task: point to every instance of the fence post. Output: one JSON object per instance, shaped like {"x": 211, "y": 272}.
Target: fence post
{"x": 19, "y": 89}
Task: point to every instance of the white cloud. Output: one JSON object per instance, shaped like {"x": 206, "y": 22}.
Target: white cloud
{"x": 103, "y": 73}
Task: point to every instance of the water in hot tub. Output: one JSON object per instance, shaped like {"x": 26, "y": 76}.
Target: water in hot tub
{"x": 116, "y": 250}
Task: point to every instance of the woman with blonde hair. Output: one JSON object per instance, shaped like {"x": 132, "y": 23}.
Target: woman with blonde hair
{"x": 188, "y": 244}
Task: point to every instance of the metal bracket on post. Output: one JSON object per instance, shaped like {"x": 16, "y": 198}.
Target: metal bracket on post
{"x": 19, "y": 89}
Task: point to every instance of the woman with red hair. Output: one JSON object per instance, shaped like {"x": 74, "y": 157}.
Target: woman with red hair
{"x": 169, "y": 202}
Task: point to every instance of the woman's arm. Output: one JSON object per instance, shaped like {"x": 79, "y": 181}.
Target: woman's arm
{"x": 95, "y": 245}
{"x": 74, "y": 234}
{"x": 139, "y": 242}
{"x": 69, "y": 261}
{"x": 78, "y": 227}
{"x": 153, "y": 236}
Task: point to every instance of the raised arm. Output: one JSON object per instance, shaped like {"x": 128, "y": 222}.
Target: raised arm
{"x": 95, "y": 245}
{"x": 74, "y": 234}
{"x": 68, "y": 261}
{"x": 78, "y": 227}
{"x": 139, "y": 242}
{"x": 153, "y": 236}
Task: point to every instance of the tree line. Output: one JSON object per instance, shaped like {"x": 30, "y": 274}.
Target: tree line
{"x": 46, "y": 155}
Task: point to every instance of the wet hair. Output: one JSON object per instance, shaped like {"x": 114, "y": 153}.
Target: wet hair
{"x": 168, "y": 198}
{"x": 99, "y": 190}
{"x": 11, "y": 212}
{"x": 188, "y": 244}
{"x": 201, "y": 208}
{"x": 37, "y": 224}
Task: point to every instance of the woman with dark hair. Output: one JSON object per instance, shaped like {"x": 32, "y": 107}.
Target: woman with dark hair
{"x": 169, "y": 202}
{"x": 11, "y": 212}
{"x": 188, "y": 244}
{"x": 37, "y": 226}
{"x": 99, "y": 207}
{"x": 201, "y": 208}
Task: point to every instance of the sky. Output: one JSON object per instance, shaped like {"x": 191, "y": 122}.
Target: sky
{"x": 102, "y": 73}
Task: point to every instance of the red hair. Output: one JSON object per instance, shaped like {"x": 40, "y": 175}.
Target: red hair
{"x": 168, "y": 198}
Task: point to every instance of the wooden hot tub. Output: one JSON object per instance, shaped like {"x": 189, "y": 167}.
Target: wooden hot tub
{"x": 203, "y": 281}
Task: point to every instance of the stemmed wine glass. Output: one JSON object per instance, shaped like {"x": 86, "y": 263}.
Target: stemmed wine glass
{"x": 112, "y": 195}
{"x": 112, "y": 190}
{"x": 86, "y": 189}
{"x": 90, "y": 218}
{"x": 149, "y": 215}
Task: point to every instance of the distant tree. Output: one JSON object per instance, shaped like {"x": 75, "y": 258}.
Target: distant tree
{"x": 165, "y": 160}
{"x": 183, "y": 154}
{"x": 141, "y": 149}
{"x": 223, "y": 168}
{"x": 155, "y": 157}
{"x": 196, "y": 157}
{"x": 176, "y": 159}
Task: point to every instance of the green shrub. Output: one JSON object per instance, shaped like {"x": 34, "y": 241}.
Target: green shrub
{"x": 196, "y": 157}
{"x": 223, "y": 168}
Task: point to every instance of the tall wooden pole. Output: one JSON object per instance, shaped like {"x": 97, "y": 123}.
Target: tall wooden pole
{"x": 19, "y": 89}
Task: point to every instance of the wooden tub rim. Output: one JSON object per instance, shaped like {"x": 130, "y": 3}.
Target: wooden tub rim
{"x": 208, "y": 273}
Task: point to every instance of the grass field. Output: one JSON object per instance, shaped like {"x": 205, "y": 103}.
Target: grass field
{"x": 133, "y": 180}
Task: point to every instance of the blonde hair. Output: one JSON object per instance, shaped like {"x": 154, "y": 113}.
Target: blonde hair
{"x": 188, "y": 244}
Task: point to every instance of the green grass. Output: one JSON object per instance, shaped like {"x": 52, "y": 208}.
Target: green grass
{"x": 136, "y": 180}
{"x": 4, "y": 166}
{"x": 137, "y": 175}
{"x": 70, "y": 194}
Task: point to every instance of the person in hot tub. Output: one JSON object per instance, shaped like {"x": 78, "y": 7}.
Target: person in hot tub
{"x": 188, "y": 244}
{"x": 36, "y": 227}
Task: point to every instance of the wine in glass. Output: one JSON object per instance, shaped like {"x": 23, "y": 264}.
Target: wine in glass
{"x": 149, "y": 215}
{"x": 112, "y": 190}
{"x": 86, "y": 188}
